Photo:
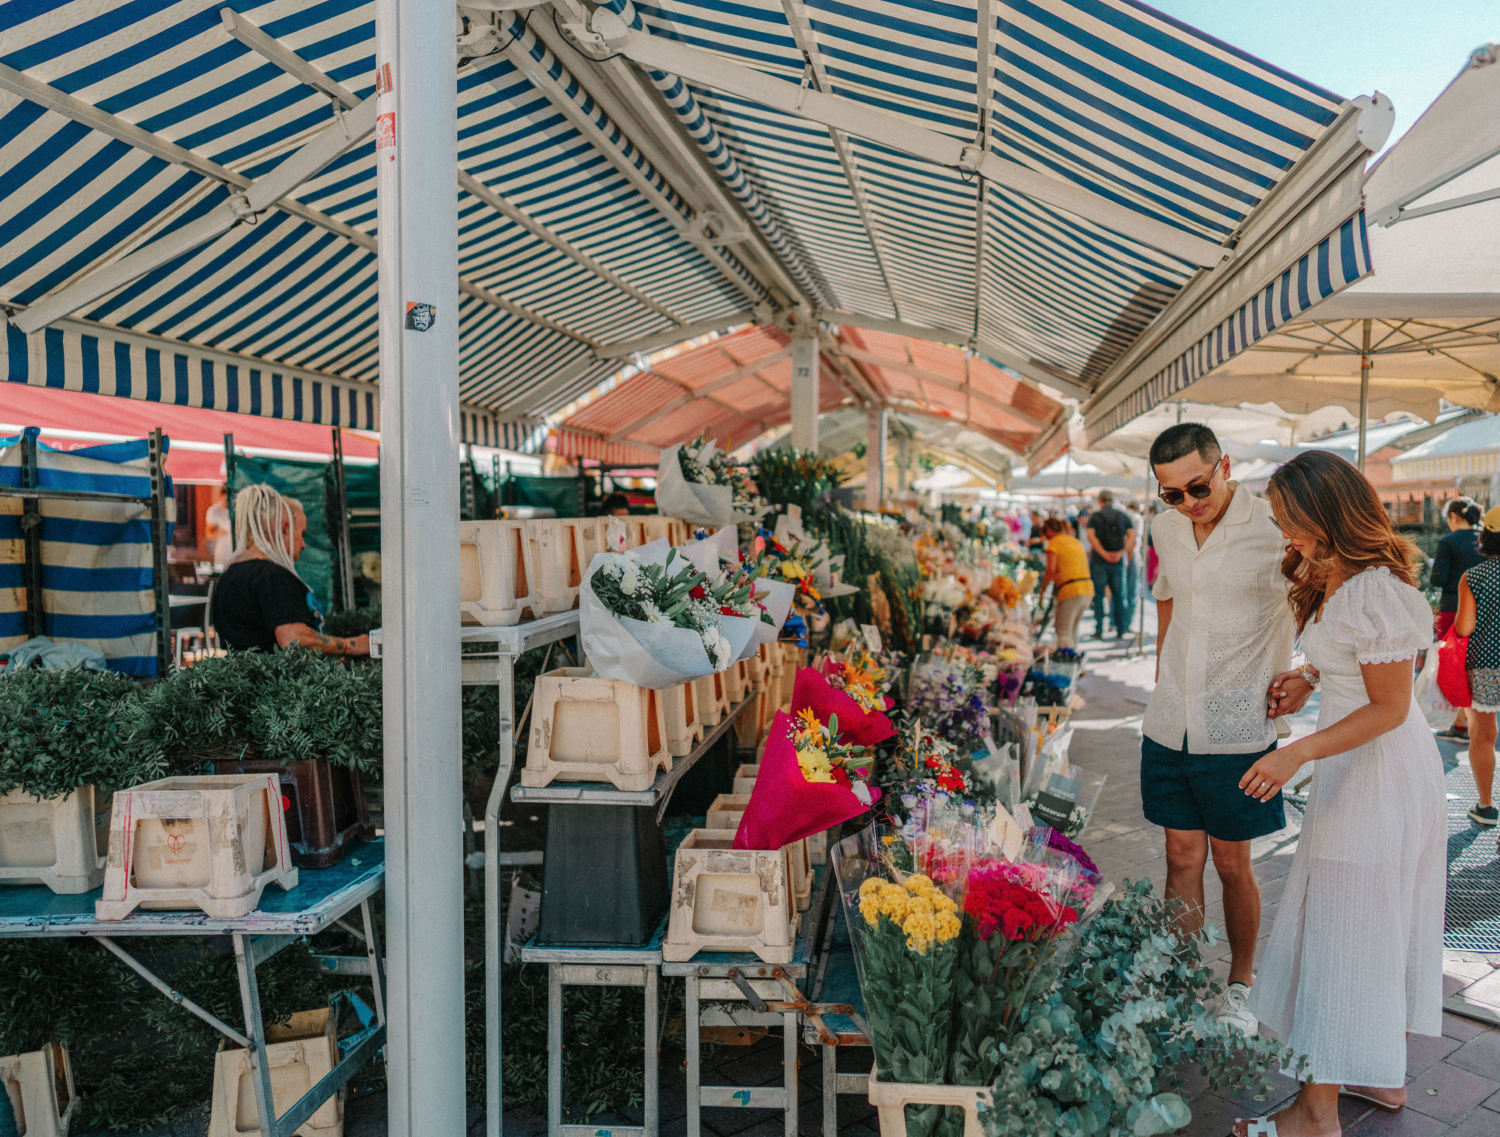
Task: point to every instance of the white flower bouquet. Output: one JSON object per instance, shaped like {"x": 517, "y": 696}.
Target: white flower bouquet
{"x": 650, "y": 618}
{"x": 696, "y": 482}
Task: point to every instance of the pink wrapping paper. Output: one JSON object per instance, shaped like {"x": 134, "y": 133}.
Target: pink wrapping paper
{"x": 784, "y": 806}
{"x": 857, "y": 727}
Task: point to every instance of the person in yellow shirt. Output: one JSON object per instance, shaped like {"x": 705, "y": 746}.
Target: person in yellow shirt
{"x": 1068, "y": 572}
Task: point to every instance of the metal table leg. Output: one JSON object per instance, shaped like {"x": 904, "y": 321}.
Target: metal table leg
{"x": 492, "y": 871}
{"x": 830, "y": 1091}
{"x": 789, "y": 1070}
{"x": 560, "y": 975}
{"x": 694, "y": 1060}
{"x": 256, "y": 1028}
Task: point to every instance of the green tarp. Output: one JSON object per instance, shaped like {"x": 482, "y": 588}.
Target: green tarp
{"x": 304, "y": 482}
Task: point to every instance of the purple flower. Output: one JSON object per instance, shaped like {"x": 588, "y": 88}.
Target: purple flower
{"x": 1057, "y": 841}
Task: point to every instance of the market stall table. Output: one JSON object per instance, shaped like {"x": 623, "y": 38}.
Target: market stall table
{"x": 322, "y": 897}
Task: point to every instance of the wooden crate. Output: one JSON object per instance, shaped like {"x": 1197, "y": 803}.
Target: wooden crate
{"x": 496, "y": 573}
{"x": 684, "y": 729}
{"x": 728, "y": 899}
{"x": 890, "y": 1100}
{"x": 712, "y": 696}
{"x": 560, "y": 554}
{"x": 52, "y": 841}
{"x": 299, "y": 1054}
{"x": 595, "y": 730}
{"x": 210, "y": 842}
{"x": 39, "y": 1085}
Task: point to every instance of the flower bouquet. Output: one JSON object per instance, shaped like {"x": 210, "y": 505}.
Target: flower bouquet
{"x": 650, "y": 618}
{"x": 696, "y": 482}
{"x": 809, "y": 780}
{"x": 848, "y": 695}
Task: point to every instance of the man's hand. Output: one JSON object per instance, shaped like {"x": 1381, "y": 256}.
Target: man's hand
{"x": 1287, "y": 694}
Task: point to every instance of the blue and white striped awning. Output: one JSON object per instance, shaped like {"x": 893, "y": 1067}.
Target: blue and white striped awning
{"x": 1339, "y": 260}
{"x": 600, "y": 216}
{"x": 97, "y": 576}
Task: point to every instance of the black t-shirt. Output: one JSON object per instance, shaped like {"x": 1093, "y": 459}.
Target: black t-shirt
{"x": 254, "y": 598}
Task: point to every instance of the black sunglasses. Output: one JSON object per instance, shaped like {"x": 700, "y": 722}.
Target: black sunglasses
{"x": 1198, "y": 491}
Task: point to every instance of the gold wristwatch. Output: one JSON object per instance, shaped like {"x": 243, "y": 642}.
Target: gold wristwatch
{"x": 1309, "y": 674}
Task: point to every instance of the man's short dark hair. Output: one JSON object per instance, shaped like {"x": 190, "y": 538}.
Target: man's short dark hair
{"x": 613, "y": 502}
{"x": 1183, "y": 439}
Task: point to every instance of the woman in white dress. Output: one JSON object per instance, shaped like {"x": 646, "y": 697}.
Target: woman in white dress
{"x": 1355, "y": 959}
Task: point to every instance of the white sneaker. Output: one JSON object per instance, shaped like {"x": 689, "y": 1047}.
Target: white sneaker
{"x": 1235, "y": 1011}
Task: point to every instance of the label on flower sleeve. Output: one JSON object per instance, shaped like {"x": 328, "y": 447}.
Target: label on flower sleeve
{"x": 872, "y": 636}
{"x": 1022, "y": 814}
{"x": 1007, "y": 834}
{"x": 1054, "y": 805}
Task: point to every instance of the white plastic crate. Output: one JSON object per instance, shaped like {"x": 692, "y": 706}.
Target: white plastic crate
{"x": 744, "y": 779}
{"x": 726, "y": 812}
{"x": 299, "y": 1054}
{"x": 496, "y": 573}
{"x": 737, "y": 682}
{"x": 52, "y": 841}
{"x": 890, "y": 1100}
{"x": 684, "y": 729}
{"x": 728, "y": 899}
{"x": 595, "y": 730}
{"x": 210, "y": 842}
{"x": 40, "y": 1087}
{"x": 560, "y": 555}
{"x": 712, "y": 697}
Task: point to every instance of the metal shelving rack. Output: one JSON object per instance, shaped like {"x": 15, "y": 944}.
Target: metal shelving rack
{"x": 32, "y": 494}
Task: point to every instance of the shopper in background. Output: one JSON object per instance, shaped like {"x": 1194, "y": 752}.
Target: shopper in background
{"x": 1355, "y": 959}
{"x": 615, "y": 505}
{"x": 1111, "y": 544}
{"x": 216, "y": 527}
{"x": 1068, "y": 572}
{"x": 1037, "y": 539}
{"x": 1457, "y": 553}
{"x": 1478, "y": 617}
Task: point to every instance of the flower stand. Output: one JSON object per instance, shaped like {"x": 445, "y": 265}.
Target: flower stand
{"x": 560, "y": 555}
{"x": 728, "y": 899}
{"x": 496, "y": 572}
{"x": 604, "y": 875}
{"x": 595, "y": 730}
{"x": 299, "y": 1053}
{"x": 196, "y": 842}
{"x": 683, "y": 728}
{"x": 712, "y": 698}
{"x": 325, "y": 807}
{"x": 40, "y": 1087}
{"x": 890, "y": 1100}
{"x": 51, "y": 841}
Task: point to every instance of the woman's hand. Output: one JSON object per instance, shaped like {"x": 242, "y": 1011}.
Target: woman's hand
{"x": 1287, "y": 694}
{"x": 1264, "y": 780}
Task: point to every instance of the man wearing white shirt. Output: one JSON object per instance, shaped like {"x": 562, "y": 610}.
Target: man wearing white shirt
{"x": 1225, "y": 629}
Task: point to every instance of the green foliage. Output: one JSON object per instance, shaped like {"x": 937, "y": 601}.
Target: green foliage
{"x": 289, "y": 705}
{"x": 352, "y": 622}
{"x": 140, "y": 1061}
{"x": 1097, "y": 1054}
{"x": 794, "y": 477}
{"x": 61, "y": 728}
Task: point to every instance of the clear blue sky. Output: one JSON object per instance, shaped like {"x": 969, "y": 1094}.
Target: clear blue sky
{"x": 1410, "y": 49}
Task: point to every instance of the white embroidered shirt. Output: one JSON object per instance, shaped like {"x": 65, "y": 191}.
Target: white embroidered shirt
{"x": 1231, "y": 631}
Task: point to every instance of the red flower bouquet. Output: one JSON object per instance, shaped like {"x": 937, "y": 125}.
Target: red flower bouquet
{"x": 857, "y": 726}
{"x": 786, "y": 804}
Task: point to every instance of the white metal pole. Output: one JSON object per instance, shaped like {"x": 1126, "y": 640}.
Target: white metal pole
{"x": 1364, "y": 395}
{"x": 805, "y": 387}
{"x": 416, "y": 154}
{"x": 876, "y": 423}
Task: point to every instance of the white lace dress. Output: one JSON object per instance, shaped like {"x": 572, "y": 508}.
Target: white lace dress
{"x": 1355, "y": 959}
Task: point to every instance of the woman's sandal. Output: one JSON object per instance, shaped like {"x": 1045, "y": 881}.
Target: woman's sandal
{"x": 1363, "y": 1094}
{"x": 1265, "y": 1127}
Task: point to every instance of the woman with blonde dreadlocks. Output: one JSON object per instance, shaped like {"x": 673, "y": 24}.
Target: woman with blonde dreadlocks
{"x": 260, "y": 601}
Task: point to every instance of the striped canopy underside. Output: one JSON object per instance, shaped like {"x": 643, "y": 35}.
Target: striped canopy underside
{"x": 1101, "y": 93}
{"x": 739, "y": 386}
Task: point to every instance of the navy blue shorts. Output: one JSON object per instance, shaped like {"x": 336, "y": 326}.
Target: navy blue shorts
{"x": 1202, "y": 791}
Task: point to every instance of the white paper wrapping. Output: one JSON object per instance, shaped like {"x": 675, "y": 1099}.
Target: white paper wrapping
{"x": 646, "y": 654}
{"x": 778, "y": 602}
{"x": 694, "y": 503}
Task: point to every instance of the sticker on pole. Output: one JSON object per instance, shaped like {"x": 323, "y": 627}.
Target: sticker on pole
{"x": 420, "y": 317}
{"x": 385, "y": 135}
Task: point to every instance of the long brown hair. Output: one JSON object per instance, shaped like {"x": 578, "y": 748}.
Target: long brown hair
{"x": 1319, "y": 495}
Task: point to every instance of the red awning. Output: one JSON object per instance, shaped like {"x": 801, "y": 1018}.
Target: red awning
{"x": 72, "y": 419}
{"x": 739, "y": 386}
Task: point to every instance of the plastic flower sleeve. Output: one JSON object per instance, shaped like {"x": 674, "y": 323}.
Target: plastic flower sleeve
{"x": 784, "y": 806}
{"x": 694, "y": 502}
{"x": 905, "y": 938}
